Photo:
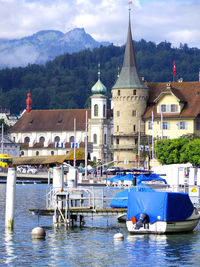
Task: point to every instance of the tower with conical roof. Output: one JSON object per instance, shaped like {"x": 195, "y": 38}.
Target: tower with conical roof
{"x": 129, "y": 97}
{"x": 99, "y": 125}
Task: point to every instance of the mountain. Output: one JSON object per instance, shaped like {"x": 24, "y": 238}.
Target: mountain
{"x": 44, "y": 46}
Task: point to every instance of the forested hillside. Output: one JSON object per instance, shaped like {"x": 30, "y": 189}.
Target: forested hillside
{"x": 66, "y": 81}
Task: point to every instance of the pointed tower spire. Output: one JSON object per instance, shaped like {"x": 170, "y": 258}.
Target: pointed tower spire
{"x": 28, "y": 103}
{"x": 129, "y": 77}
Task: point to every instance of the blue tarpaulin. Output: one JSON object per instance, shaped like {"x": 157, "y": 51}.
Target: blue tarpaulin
{"x": 152, "y": 176}
{"x": 163, "y": 206}
{"x": 121, "y": 199}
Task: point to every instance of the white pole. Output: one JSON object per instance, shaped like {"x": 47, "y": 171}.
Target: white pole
{"x": 152, "y": 139}
{"x": 74, "y": 142}
{"x": 138, "y": 144}
{"x": 10, "y": 199}
{"x": 2, "y": 146}
{"x": 58, "y": 180}
{"x": 161, "y": 125}
{"x": 86, "y": 142}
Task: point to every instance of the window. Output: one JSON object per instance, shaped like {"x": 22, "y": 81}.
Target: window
{"x": 174, "y": 108}
{"x": 150, "y": 125}
{"x": 117, "y": 141}
{"x": 37, "y": 153}
{"x": 96, "y": 110}
{"x": 104, "y": 110}
{"x": 57, "y": 139}
{"x": 198, "y": 125}
{"x": 165, "y": 125}
{"x": 163, "y": 108}
{"x": 134, "y": 127}
{"x": 14, "y": 139}
{"x": 95, "y": 159}
{"x": 134, "y": 113}
{"x": 118, "y": 113}
{"x": 168, "y": 108}
{"x": 117, "y": 128}
{"x": 105, "y": 139}
{"x": 182, "y": 125}
{"x": 165, "y": 137}
{"x": 95, "y": 139}
{"x": 118, "y": 92}
{"x": 111, "y": 139}
{"x": 26, "y": 139}
{"x": 22, "y": 153}
{"x": 71, "y": 139}
{"x": 42, "y": 139}
{"x": 52, "y": 153}
{"x": 134, "y": 92}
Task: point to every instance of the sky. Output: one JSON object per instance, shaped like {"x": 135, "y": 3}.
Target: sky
{"x": 174, "y": 21}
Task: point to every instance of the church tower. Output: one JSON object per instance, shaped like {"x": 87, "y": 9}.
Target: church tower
{"x": 129, "y": 97}
{"x": 99, "y": 125}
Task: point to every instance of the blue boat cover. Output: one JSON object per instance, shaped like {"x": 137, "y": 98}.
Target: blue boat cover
{"x": 121, "y": 199}
{"x": 140, "y": 178}
{"x": 152, "y": 176}
{"x": 162, "y": 206}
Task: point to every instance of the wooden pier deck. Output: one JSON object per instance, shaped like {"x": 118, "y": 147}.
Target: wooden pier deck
{"x": 81, "y": 211}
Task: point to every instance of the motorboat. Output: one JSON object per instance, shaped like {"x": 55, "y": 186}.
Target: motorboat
{"x": 160, "y": 213}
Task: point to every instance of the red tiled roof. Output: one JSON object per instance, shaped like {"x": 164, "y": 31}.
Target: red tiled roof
{"x": 186, "y": 92}
{"x": 51, "y": 120}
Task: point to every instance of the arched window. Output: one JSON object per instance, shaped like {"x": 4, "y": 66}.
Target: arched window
{"x": 52, "y": 152}
{"x": 71, "y": 139}
{"x": 105, "y": 139}
{"x": 94, "y": 159}
{"x": 14, "y": 138}
{"x": 96, "y": 110}
{"x": 111, "y": 139}
{"x": 57, "y": 139}
{"x": 26, "y": 139}
{"x": 95, "y": 139}
{"x": 22, "y": 153}
{"x": 42, "y": 139}
{"x": 104, "y": 110}
{"x": 37, "y": 153}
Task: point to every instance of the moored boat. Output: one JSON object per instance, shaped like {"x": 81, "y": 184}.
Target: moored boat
{"x": 160, "y": 213}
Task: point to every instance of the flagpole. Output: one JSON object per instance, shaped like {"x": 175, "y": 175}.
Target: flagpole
{"x": 138, "y": 144}
{"x": 74, "y": 142}
{"x": 161, "y": 125}
{"x": 86, "y": 141}
{"x": 152, "y": 138}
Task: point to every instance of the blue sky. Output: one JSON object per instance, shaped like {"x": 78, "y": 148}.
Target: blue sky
{"x": 176, "y": 21}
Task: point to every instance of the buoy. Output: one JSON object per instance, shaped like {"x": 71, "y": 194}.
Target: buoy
{"x": 38, "y": 233}
{"x": 118, "y": 236}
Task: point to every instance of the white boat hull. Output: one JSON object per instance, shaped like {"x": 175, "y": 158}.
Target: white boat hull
{"x": 163, "y": 227}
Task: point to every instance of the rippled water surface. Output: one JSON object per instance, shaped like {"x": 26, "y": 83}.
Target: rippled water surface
{"x": 91, "y": 245}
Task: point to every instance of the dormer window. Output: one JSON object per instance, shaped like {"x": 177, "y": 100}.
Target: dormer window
{"x": 168, "y": 108}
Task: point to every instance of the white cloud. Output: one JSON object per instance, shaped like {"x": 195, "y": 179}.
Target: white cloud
{"x": 176, "y": 21}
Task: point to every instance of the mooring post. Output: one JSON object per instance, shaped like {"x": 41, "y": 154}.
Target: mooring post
{"x": 58, "y": 183}
{"x": 10, "y": 199}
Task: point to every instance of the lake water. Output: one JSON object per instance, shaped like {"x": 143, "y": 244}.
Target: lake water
{"x": 91, "y": 245}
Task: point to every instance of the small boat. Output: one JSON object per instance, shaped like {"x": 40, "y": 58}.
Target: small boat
{"x": 160, "y": 213}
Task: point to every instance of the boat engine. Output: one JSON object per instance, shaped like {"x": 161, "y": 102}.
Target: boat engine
{"x": 143, "y": 220}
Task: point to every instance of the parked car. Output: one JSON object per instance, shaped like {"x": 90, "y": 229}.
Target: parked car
{"x": 113, "y": 170}
{"x": 26, "y": 169}
{"x": 31, "y": 170}
{"x": 21, "y": 169}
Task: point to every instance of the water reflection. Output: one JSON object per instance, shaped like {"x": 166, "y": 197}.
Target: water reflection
{"x": 9, "y": 247}
{"x": 167, "y": 249}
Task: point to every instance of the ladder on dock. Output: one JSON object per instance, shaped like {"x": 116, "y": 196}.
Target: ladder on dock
{"x": 63, "y": 200}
